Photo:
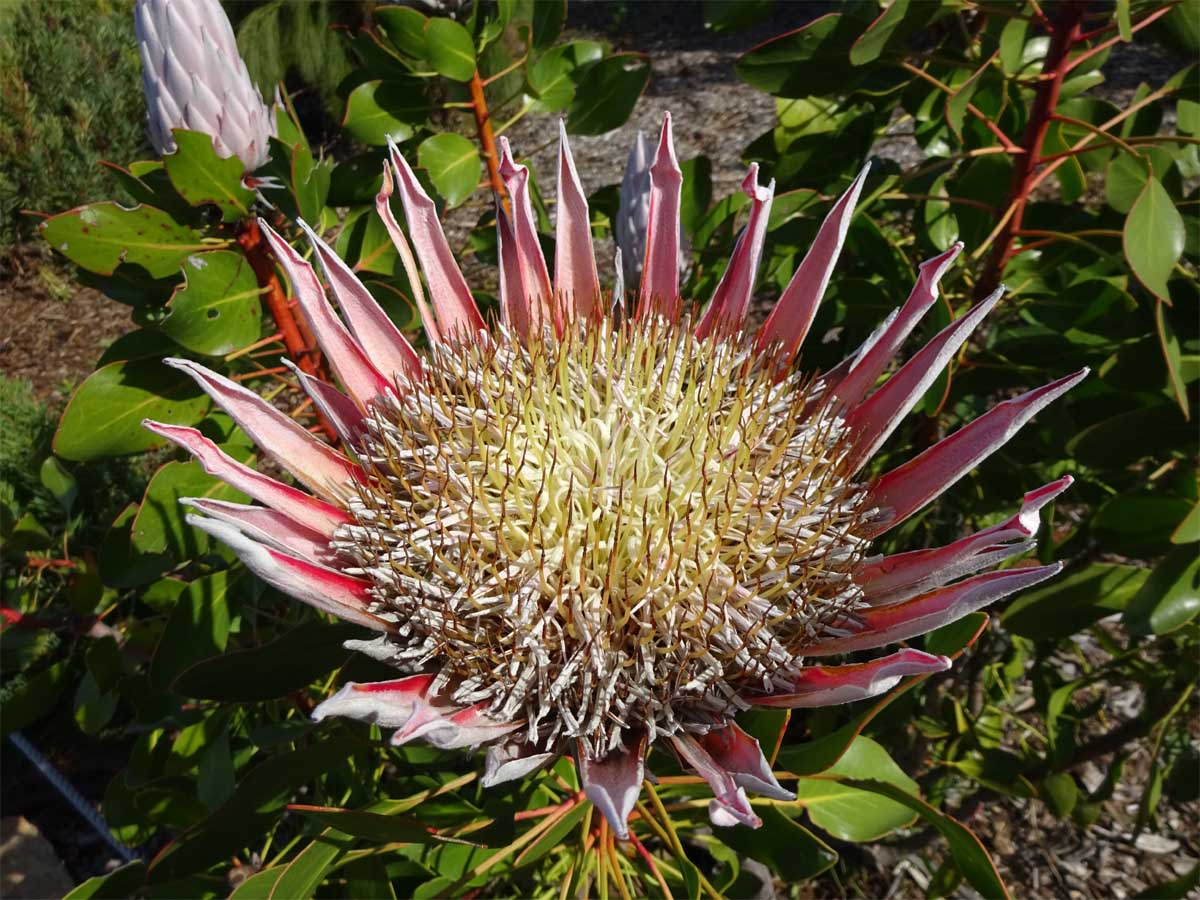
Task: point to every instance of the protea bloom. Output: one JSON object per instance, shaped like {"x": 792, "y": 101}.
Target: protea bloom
{"x": 585, "y": 531}
{"x": 194, "y": 78}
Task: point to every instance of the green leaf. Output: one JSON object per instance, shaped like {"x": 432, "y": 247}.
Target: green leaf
{"x": 217, "y": 309}
{"x": 1124, "y": 24}
{"x": 553, "y": 836}
{"x": 377, "y": 110}
{"x": 1070, "y": 603}
{"x": 159, "y": 526}
{"x": 1188, "y": 531}
{"x": 369, "y": 825}
{"x": 448, "y": 46}
{"x": 101, "y": 236}
{"x": 548, "y": 19}
{"x": 552, "y": 76}
{"x": 1153, "y": 238}
{"x": 259, "y": 886}
{"x": 104, "y": 416}
{"x": 1139, "y": 521}
{"x": 1169, "y": 598}
{"x": 941, "y": 225}
{"x": 23, "y": 704}
{"x": 812, "y": 60}
{"x": 1060, "y": 793}
{"x": 820, "y": 754}
{"x": 848, "y": 812}
{"x": 453, "y": 164}
{"x": 404, "y": 28}
{"x": 871, "y": 43}
{"x": 722, "y": 16}
{"x": 303, "y": 875}
{"x": 55, "y": 478}
{"x": 786, "y": 847}
{"x": 249, "y": 813}
{"x": 1159, "y": 429}
{"x": 954, "y": 638}
{"x": 197, "y": 627}
{"x": 119, "y": 883}
{"x": 957, "y": 103}
{"x": 606, "y": 92}
{"x": 1012, "y": 45}
{"x": 1124, "y": 179}
{"x": 93, "y": 707}
{"x": 286, "y": 664}
{"x": 965, "y": 848}
{"x": 695, "y": 192}
{"x": 1172, "y": 357}
{"x": 201, "y": 176}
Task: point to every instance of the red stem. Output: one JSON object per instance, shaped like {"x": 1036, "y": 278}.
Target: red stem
{"x": 1064, "y": 33}
{"x": 487, "y": 138}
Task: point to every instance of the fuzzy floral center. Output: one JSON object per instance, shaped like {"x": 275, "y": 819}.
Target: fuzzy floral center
{"x": 625, "y": 528}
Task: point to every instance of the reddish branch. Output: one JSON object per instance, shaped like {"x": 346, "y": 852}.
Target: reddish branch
{"x": 297, "y": 339}
{"x": 487, "y": 138}
{"x": 1064, "y": 33}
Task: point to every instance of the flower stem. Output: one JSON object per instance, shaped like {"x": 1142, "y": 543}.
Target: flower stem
{"x": 487, "y": 138}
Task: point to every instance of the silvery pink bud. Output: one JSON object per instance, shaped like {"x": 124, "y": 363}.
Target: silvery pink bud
{"x": 194, "y": 78}
{"x": 633, "y": 213}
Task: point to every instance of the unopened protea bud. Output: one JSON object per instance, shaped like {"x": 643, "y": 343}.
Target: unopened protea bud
{"x": 581, "y": 533}
{"x": 633, "y": 212}
{"x": 194, "y": 78}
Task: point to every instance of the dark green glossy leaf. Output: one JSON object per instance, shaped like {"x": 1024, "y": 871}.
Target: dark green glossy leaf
{"x": 1188, "y": 531}
{"x": 790, "y": 850}
{"x": 1169, "y": 598}
{"x": 377, "y": 110}
{"x": 453, "y": 165}
{"x": 254, "y": 804}
{"x": 201, "y": 176}
{"x": 1072, "y": 602}
{"x": 104, "y": 416}
{"x": 1153, "y": 238}
{"x": 404, "y": 28}
{"x": 449, "y": 48}
{"x": 116, "y": 885}
{"x": 814, "y": 59}
{"x": 847, "y": 812}
{"x": 159, "y": 526}
{"x": 101, "y": 236}
{"x": 871, "y": 43}
{"x": 286, "y": 664}
{"x": 606, "y": 92}
{"x": 304, "y": 873}
{"x": 721, "y": 16}
{"x": 26, "y": 703}
{"x": 197, "y": 627}
{"x": 371, "y": 826}
{"x": 217, "y": 309}
{"x": 968, "y": 853}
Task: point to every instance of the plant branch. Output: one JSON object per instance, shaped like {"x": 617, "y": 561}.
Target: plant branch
{"x": 487, "y": 139}
{"x": 1063, "y": 34}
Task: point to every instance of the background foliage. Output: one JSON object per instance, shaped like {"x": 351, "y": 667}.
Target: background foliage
{"x": 128, "y": 629}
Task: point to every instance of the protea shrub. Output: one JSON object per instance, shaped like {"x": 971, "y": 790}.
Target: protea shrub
{"x": 195, "y": 79}
{"x": 595, "y": 525}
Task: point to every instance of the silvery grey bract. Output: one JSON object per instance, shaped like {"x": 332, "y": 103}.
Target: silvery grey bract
{"x": 194, "y": 78}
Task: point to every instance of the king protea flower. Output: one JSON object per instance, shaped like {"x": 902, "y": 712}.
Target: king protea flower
{"x": 581, "y": 533}
{"x": 194, "y": 78}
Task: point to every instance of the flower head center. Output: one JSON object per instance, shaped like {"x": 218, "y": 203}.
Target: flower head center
{"x": 625, "y": 527}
